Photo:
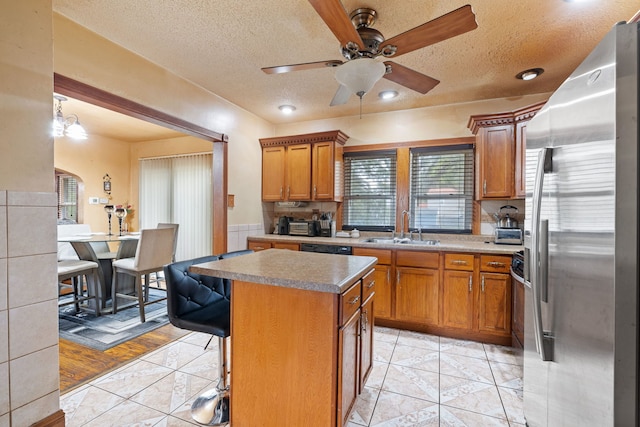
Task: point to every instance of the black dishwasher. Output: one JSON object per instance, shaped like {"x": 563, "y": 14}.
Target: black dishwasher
{"x": 326, "y": 249}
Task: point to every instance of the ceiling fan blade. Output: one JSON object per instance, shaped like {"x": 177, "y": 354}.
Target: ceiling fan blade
{"x": 299, "y": 67}
{"x": 450, "y": 25}
{"x": 341, "y": 97}
{"x": 335, "y": 16}
{"x": 410, "y": 78}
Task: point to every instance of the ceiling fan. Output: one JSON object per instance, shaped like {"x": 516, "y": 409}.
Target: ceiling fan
{"x": 361, "y": 44}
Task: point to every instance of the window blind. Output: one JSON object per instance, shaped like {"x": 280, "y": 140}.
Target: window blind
{"x": 67, "y": 189}
{"x": 441, "y": 190}
{"x": 370, "y": 191}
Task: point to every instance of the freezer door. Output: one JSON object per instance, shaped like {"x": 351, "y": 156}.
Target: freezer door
{"x": 590, "y": 127}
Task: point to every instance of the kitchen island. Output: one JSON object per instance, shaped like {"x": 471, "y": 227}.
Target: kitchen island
{"x": 301, "y": 335}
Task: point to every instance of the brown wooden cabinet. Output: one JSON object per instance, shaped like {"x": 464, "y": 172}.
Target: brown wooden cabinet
{"x": 494, "y": 303}
{"x": 348, "y": 375}
{"x": 500, "y": 152}
{"x": 384, "y": 292}
{"x": 417, "y": 296}
{"x": 303, "y": 167}
{"x": 256, "y": 246}
{"x": 458, "y": 291}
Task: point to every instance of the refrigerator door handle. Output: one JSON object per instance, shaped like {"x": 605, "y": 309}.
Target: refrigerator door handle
{"x": 543, "y": 344}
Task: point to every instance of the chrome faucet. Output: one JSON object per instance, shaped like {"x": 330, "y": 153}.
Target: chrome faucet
{"x": 402, "y": 222}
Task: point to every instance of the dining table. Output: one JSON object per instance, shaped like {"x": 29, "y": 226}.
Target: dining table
{"x": 97, "y": 247}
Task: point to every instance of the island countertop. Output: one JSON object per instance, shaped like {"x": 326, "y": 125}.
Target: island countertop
{"x": 291, "y": 269}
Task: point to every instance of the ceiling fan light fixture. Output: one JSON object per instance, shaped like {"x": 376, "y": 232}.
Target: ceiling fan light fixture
{"x": 529, "y": 74}
{"x": 388, "y": 94}
{"x": 359, "y": 75}
{"x": 287, "y": 109}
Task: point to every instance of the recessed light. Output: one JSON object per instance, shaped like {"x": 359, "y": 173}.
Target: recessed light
{"x": 287, "y": 109}
{"x": 529, "y": 74}
{"x": 388, "y": 94}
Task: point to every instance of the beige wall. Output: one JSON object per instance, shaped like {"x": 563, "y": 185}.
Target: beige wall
{"x": 446, "y": 121}
{"x": 84, "y": 56}
{"x": 90, "y": 160}
{"x": 29, "y": 389}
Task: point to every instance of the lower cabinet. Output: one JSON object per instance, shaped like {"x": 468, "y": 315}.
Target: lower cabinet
{"x": 355, "y": 343}
{"x": 457, "y": 299}
{"x": 256, "y": 245}
{"x": 494, "y": 311}
{"x": 417, "y": 291}
{"x": 383, "y": 273}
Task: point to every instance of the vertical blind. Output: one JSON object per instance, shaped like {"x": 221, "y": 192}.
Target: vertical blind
{"x": 179, "y": 190}
{"x": 441, "y": 193}
{"x": 370, "y": 191}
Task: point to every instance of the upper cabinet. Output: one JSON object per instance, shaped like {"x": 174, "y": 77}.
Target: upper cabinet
{"x": 500, "y": 152}
{"x": 303, "y": 167}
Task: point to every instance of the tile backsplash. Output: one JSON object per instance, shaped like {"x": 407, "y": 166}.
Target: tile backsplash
{"x": 237, "y": 235}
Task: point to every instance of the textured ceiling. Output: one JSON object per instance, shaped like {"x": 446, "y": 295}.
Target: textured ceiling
{"x": 221, "y": 45}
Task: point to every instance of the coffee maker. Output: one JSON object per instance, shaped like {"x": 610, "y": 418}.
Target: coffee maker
{"x": 283, "y": 225}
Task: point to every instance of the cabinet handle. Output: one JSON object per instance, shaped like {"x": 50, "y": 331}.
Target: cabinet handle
{"x": 496, "y": 264}
{"x": 364, "y": 321}
{"x": 315, "y": 191}
{"x": 258, "y": 248}
{"x": 354, "y": 300}
{"x": 459, "y": 262}
{"x": 484, "y": 187}
{"x": 397, "y": 277}
{"x": 370, "y": 285}
{"x": 281, "y": 190}
{"x": 483, "y": 284}
{"x": 288, "y": 191}
{"x": 389, "y": 276}
{"x": 470, "y": 283}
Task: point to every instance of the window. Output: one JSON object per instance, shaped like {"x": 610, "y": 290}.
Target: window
{"x": 441, "y": 198}
{"x": 67, "y": 189}
{"x": 178, "y": 190}
{"x": 370, "y": 191}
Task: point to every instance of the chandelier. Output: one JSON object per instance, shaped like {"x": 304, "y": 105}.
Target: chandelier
{"x": 69, "y": 126}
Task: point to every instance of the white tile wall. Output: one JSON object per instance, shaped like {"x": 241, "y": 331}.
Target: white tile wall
{"x": 31, "y": 285}
{"x": 42, "y": 319}
{"x": 34, "y": 376}
{"x": 237, "y": 235}
{"x": 28, "y": 307}
{"x": 4, "y": 384}
{"x": 32, "y": 412}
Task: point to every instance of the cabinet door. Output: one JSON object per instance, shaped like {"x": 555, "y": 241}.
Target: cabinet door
{"x": 496, "y": 162}
{"x": 322, "y": 171}
{"x": 366, "y": 340}
{"x": 457, "y": 299}
{"x": 273, "y": 174}
{"x": 495, "y": 303}
{"x": 521, "y": 160}
{"x": 349, "y": 356}
{"x": 382, "y": 308}
{"x": 299, "y": 172}
{"x": 417, "y": 295}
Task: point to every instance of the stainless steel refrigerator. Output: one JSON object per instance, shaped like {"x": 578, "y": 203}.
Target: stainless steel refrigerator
{"x": 581, "y": 244}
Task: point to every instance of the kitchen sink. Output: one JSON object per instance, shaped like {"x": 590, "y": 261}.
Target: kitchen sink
{"x": 397, "y": 240}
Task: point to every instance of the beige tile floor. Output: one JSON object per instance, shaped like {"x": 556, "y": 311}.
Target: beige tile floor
{"x": 417, "y": 380}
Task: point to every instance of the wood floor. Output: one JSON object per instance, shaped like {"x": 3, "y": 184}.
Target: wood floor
{"x": 79, "y": 364}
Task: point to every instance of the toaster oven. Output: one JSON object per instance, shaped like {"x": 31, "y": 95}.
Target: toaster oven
{"x": 304, "y": 228}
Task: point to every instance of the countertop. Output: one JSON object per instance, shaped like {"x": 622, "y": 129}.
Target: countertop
{"x": 473, "y": 244}
{"x": 292, "y": 269}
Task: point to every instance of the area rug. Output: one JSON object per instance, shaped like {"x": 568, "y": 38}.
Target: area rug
{"x": 108, "y": 330}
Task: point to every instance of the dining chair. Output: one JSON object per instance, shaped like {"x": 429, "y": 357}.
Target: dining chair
{"x": 154, "y": 250}
{"x": 75, "y": 271}
{"x": 174, "y": 227}
{"x": 85, "y": 252}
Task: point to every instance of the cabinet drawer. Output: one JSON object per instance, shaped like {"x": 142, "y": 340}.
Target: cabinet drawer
{"x": 368, "y": 284}
{"x": 258, "y": 246}
{"x": 458, "y": 262}
{"x": 383, "y": 255}
{"x": 350, "y": 302}
{"x": 418, "y": 259}
{"x": 495, "y": 263}
{"x": 289, "y": 246}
